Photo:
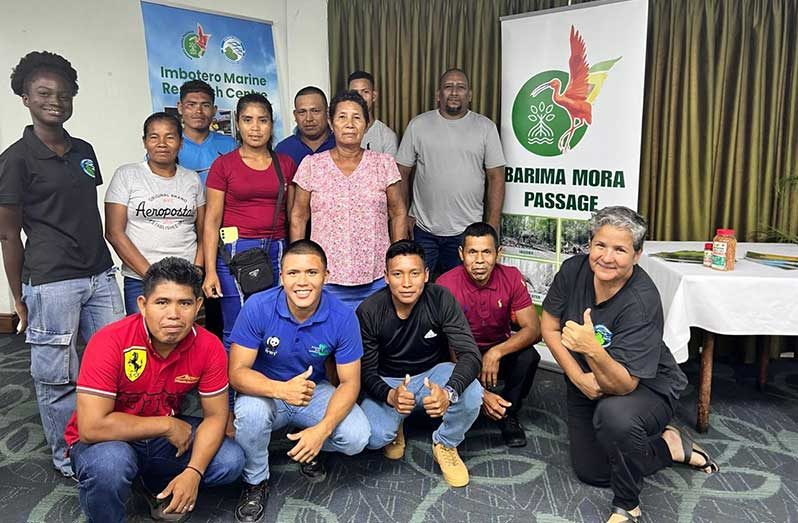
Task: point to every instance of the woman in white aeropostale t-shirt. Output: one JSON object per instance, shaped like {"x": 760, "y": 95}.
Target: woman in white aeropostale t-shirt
{"x": 154, "y": 208}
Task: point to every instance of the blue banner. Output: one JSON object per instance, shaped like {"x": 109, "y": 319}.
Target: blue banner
{"x": 235, "y": 56}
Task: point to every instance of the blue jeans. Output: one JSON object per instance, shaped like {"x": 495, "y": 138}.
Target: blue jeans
{"x": 352, "y": 295}
{"x": 257, "y": 417}
{"x": 133, "y": 289}
{"x": 440, "y": 252}
{"x": 232, "y": 300}
{"x": 384, "y": 419}
{"x": 57, "y": 313}
{"x": 106, "y": 470}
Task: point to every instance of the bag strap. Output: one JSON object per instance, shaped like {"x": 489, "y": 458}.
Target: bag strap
{"x": 280, "y": 193}
{"x": 223, "y": 253}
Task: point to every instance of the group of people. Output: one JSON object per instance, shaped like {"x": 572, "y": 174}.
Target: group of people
{"x": 351, "y": 338}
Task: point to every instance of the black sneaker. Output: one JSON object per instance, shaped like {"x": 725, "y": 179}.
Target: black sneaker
{"x": 157, "y": 506}
{"x": 252, "y": 503}
{"x": 512, "y": 431}
{"x": 314, "y": 471}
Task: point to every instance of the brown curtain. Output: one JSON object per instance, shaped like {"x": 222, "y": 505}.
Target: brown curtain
{"x": 720, "y": 124}
{"x": 408, "y": 44}
{"x": 720, "y": 127}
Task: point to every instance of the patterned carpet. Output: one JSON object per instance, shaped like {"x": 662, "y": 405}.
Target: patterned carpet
{"x": 753, "y": 435}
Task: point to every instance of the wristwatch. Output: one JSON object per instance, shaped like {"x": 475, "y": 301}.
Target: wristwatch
{"x": 454, "y": 397}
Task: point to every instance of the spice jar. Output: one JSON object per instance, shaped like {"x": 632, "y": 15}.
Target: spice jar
{"x": 724, "y": 247}
{"x": 708, "y": 254}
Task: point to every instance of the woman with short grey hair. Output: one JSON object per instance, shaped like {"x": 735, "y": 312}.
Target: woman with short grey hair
{"x": 621, "y": 218}
{"x": 602, "y": 321}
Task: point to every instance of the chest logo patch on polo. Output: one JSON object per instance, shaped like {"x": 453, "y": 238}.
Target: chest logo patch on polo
{"x": 186, "y": 379}
{"x": 135, "y": 362}
{"x": 603, "y": 335}
{"x": 88, "y": 167}
{"x": 322, "y": 349}
{"x": 270, "y": 345}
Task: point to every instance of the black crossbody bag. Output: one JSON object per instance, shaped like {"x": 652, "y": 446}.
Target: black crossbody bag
{"x": 252, "y": 269}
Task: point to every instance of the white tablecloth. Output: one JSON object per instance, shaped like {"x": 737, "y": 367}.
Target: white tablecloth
{"x": 751, "y": 299}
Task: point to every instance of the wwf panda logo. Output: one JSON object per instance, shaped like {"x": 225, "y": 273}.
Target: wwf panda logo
{"x": 270, "y": 345}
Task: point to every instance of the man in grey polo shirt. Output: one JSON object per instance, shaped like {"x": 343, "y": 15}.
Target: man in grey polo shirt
{"x": 453, "y": 151}
{"x": 379, "y": 137}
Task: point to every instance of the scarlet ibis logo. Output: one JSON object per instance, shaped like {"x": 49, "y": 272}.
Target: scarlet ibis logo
{"x": 195, "y": 44}
{"x": 554, "y": 109}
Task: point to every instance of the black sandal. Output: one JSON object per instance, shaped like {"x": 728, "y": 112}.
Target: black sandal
{"x": 626, "y": 514}
{"x": 689, "y": 446}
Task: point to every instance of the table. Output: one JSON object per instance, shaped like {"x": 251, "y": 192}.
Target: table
{"x": 754, "y": 299}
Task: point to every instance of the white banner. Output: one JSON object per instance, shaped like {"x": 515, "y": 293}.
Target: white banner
{"x": 572, "y": 110}
{"x": 572, "y": 106}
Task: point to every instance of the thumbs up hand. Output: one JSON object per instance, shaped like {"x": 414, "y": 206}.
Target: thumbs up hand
{"x": 436, "y": 403}
{"x": 587, "y": 320}
{"x": 402, "y": 399}
{"x": 298, "y": 390}
{"x": 580, "y": 338}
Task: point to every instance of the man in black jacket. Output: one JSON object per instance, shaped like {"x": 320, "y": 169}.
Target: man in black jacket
{"x": 410, "y": 329}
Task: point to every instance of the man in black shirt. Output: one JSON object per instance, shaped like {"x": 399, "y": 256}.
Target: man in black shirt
{"x": 409, "y": 329}
{"x": 62, "y": 281}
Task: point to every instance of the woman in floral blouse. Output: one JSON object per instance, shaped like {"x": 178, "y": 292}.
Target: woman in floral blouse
{"x": 351, "y": 194}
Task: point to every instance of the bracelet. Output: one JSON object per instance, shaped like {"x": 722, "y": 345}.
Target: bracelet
{"x": 195, "y": 469}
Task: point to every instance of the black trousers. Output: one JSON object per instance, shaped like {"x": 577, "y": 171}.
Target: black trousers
{"x": 517, "y": 371}
{"x": 617, "y": 440}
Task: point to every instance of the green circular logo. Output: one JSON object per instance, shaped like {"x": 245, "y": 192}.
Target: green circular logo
{"x": 88, "y": 167}
{"x": 232, "y": 49}
{"x": 542, "y": 126}
{"x": 191, "y": 46}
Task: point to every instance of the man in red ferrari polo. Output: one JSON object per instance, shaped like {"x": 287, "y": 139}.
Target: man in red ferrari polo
{"x": 128, "y": 427}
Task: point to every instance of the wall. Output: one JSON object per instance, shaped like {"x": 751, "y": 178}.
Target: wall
{"x": 104, "y": 40}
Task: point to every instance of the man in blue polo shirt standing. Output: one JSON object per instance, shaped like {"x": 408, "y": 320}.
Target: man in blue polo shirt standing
{"x": 200, "y": 145}
{"x": 200, "y": 148}
{"x": 313, "y": 134}
{"x": 279, "y": 345}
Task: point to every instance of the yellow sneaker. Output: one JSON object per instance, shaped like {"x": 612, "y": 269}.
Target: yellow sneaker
{"x": 454, "y": 470}
{"x": 396, "y": 449}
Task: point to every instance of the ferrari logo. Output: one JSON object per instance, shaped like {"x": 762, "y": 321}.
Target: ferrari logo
{"x": 135, "y": 362}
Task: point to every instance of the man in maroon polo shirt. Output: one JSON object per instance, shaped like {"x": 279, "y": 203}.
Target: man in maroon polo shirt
{"x": 134, "y": 375}
{"x": 494, "y": 298}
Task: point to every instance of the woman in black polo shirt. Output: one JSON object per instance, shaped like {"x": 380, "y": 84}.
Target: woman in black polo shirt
{"x": 62, "y": 280}
{"x": 602, "y": 321}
